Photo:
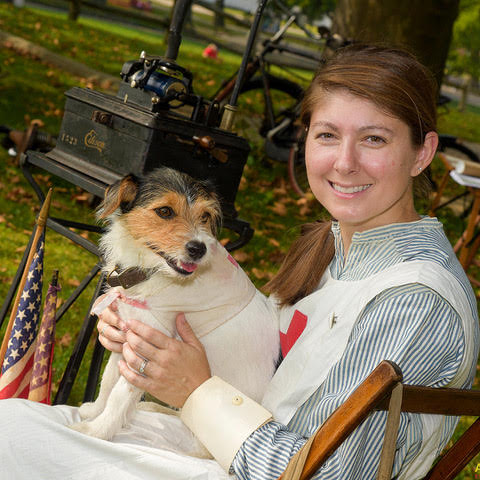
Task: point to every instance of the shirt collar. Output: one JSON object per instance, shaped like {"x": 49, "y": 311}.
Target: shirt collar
{"x": 382, "y": 234}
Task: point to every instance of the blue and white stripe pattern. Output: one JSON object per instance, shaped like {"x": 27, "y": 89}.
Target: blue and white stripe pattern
{"x": 426, "y": 342}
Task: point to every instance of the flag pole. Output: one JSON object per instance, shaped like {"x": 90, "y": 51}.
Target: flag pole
{"x": 40, "y": 225}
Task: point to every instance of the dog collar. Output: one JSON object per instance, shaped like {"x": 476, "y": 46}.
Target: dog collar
{"x": 128, "y": 278}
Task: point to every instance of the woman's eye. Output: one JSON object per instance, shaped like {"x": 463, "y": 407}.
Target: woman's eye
{"x": 374, "y": 139}
{"x": 165, "y": 212}
{"x": 325, "y": 136}
{"x": 205, "y": 217}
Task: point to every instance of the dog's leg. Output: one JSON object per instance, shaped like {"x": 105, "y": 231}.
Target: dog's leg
{"x": 111, "y": 374}
{"x": 116, "y": 414}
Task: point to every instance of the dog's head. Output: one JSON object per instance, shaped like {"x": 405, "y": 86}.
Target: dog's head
{"x": 169, "y": 215}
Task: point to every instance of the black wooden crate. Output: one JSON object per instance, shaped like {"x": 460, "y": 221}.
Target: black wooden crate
{"x": 102, "y": 135}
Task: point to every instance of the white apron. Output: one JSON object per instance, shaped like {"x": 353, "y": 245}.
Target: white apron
{"x": 334, "y": 309}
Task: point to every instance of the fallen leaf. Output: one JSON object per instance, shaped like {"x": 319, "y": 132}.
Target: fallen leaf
{"x": 274, "y": 242}
{"x": 73, "y": 282}
{"x": 242, "y": 257}
{"x": 259, "y": 273}
{"x": 65, "y": 340}
{"x": 279, "y": 208}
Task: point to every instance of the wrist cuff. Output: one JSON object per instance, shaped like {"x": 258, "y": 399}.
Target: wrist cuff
{"x": 222, "y": 418}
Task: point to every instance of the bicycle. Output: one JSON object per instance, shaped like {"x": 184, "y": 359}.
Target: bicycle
{"x": 277, "y": 124}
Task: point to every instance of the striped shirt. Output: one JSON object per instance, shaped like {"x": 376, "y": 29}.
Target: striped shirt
{"x": 427, "y": 343}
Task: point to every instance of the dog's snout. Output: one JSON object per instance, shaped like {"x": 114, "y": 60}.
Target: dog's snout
{"x": 196, "y": 249}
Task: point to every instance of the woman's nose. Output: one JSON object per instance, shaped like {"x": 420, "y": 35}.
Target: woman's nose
{"x": 346, "y": 161}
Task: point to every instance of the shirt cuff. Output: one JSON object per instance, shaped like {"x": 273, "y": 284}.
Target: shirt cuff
{"x": 222, "y": 418}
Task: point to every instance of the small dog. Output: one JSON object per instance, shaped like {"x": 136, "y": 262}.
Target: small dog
{"x": 162, "y": 234}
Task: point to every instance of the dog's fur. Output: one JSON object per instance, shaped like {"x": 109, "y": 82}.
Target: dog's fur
{"x": 167, "y": 221}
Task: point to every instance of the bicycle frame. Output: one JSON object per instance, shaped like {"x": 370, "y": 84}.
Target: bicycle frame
{"x": 258, "y": 62}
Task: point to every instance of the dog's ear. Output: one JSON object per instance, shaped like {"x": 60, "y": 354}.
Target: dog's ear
{"x": 120, "y": 194}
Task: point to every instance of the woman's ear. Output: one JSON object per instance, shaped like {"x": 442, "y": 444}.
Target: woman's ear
{"x": 425, "y": 153}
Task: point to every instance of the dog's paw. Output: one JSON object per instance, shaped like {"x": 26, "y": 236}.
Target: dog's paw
{"x": 89, "y": 410}
{"x": 93, "y": 429}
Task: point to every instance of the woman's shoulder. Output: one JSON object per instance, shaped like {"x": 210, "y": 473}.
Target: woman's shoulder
{"x": 425, "y": 241}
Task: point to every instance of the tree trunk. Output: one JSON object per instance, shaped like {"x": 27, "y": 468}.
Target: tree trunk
{"x": 422, "y": 26}
{"x": 219, "y": 20}
{"x": 74, "y": 10}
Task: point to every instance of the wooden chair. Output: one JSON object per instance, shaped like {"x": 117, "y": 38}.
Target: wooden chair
{"x": 383, "y": 390}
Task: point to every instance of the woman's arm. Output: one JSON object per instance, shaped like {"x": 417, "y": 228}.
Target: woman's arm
{"x": 411, "y": 326}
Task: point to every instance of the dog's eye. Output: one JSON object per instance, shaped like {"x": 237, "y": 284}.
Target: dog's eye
{"x": 205, "y": 218}
{"x": 165, "y": 212}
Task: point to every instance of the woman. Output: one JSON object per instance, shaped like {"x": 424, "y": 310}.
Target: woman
{"x": 379, "y": 282}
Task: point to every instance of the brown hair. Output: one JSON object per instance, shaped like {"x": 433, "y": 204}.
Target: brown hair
{"x": 396, "y": 83}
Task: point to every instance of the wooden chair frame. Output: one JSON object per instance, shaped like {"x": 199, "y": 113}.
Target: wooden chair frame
{"x": 383, "y": 390}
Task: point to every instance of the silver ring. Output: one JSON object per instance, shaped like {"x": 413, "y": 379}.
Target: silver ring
{"x": 102, "y": 333}
{"x": 143, "y": 366}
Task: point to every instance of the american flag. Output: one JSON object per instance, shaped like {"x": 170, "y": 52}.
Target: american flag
{"x": 41, "y": 382}
{"x": 17, "y": 364}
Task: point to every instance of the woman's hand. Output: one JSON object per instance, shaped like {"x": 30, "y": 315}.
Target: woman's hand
{"x": 172, "y": 369}
{"x": 111, "y": 328}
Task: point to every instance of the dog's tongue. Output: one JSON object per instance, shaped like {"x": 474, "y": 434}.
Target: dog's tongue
{"x": 188, "y": 267}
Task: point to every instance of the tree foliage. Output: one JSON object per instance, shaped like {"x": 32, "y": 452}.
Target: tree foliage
{"x": 464, "y": 55}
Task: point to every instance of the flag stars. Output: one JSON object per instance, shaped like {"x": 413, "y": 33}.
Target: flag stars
{"x": 31, "y": 307}
{"x": 25, "y": 295}
{"x": 35, "y": 287}
{"x": 14, "y": 354}
{"x": 17, "y": 335}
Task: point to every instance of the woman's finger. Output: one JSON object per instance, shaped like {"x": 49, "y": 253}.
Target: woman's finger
{"x": 141, "y": 346}
{"x": 109, "y": 331}
{"x": 135, "y": 361}
{"x": 133, "y": 377}
{"x": 143, "y": 331}
{"x": 110, "y": 345}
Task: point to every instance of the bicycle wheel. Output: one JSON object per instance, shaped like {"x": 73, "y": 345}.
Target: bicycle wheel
{"x": 450, "y": 145}
{"x": 273, "y": 113}
{"x": 297, "y": 171}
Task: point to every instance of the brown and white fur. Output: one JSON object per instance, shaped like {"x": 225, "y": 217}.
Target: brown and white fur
{"x": 167, "y": 221}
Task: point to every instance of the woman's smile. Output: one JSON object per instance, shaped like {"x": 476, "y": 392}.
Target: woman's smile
{"x": 349, "y": 189}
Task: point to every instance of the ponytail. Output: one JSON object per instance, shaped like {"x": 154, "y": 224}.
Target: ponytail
{"x": 304, "y": 265}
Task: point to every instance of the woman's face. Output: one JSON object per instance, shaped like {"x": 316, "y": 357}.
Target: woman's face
{"x": 360, "y": 163}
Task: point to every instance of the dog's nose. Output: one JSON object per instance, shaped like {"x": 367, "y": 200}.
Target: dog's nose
{"x": 196, "y": 249}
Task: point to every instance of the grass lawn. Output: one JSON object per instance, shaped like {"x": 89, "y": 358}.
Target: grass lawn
{"x": 30, "y": 89}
